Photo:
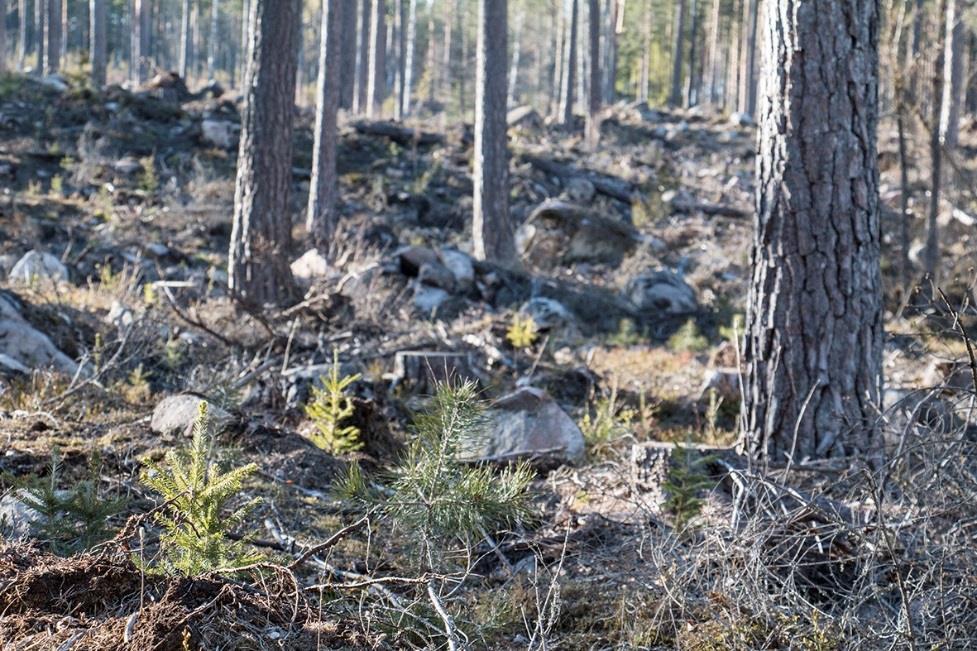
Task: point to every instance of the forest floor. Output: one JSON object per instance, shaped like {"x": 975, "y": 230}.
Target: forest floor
{"x": 637, "y": 282}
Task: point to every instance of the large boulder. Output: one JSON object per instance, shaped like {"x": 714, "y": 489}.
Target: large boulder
{"x": 661, "y": 293}
{"x": 175, "y": 415}
{"x": 17, "y": 519}
{"x": 527, "y": 424}
{"x": 557, "y": 232}
{"x": 37, "y": 265}
{"x": 23, "y": 347}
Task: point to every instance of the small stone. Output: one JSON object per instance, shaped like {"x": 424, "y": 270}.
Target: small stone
{"x": 580, "y": 190}
{"x": 547, "y": 313}
{"x": 310, "y": 266}
{"x": 175, "y": 415}
{"x": 460, "y": 265}
{"x": 127, "y": 166}
{"x": 663, "y": 292}
{"x": 218, "y": 133}
{"x": 434, "y": 274}
{"x": 38, "y": 265}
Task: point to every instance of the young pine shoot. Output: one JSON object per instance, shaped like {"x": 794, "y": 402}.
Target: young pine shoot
{"x": 329, "y": 408}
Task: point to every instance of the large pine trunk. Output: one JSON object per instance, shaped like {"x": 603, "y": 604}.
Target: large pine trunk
{"x": 491, "y": 227}
{"x": 258, "y": 262}
{"x": 99, "y": 44}
{"x": 813, "y": 348}
{"x": 321, "y": 215}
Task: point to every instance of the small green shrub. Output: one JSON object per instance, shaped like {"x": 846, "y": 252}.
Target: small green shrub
{"x": 200, "y": 515}
{"x": 329, "y": 408}
{"x": 688, "y": 338}
{"x": 71, "y": 519}
{"x": 606, "y": 420}
{"x": 685, "y": 482}
{"x": 522, "y": 331}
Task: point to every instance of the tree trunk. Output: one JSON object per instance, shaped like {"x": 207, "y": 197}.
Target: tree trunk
{"x": 40, "y": 19}
{"x": 213, "y": 44}
{"x": 411, "y": 49}
{"x": 3, "y": 35}
{"x": 914, "y": 69}
{"x": 258, "y": 261}
{"x": 362, "y": 57}
{"x": 137, "y": 43}
{"x": 559, "y": 39}
{"x": 52, "y": 37}
{"x": 733, "y": 68}
{"x": 321, "y": 217}
{"x": 22, "y": 46}
{"x": 645, "y": 66}
{"x": 593, "y": 104}
{"x": 65, "y": 30}
{"x": 516, "y": 53}
{"x": 347, "y": 47}
{"x": 99, "y": 44}
{"x": 678, "y": 45}
{"x": 185, "y": 39}
{"x": 813, "y": 348}
{"x": 931, "y": 257}
{"x": 691, "y": 88}
{"x": 377, "y": 62}
{"x": 445, "y": 79}
{"x": 491, "y": 229}
{"x": 569, "y": 68}
{"x": 953, "y": 74}
{"x": 710, "y": 82}
{"x": 748, "y": 90}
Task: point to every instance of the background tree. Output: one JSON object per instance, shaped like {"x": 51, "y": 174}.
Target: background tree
{"x": 258, "y": 262}
{"x": 593, "y": 103}
{"x": 376, "y": 79}
{"x": 491, "y": 227}
{"x": 99, "y": 44}
{"x": 321, "y": 215}
{"x": 569, "y": 67}
{"x": 814, "y": 323}
{"x": 52, "y": 37}
{"x": 678, "y": 46}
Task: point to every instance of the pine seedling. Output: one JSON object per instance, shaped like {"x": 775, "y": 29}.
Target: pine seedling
{"x": 686, "y": 480}
{"x": 433, "y": 494}
{"x": 329, "y": 408}
{"x": 523, "y": 331}
{"x": 71, "y": 520}
{"x": 200, "y": 516}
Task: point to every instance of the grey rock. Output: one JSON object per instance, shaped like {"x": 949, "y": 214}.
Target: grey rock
{"x": 547, "y": 313}
{"x": 524, "y": 116}
{"x": 410, "y": 258}
{"x": 16, "y": 518}
{"x": 218, "y": 133}
{"x": 725, "y": 382}
{"x": 460, "y": 265}
{"x": 661, "y": 292}
{"x": 580, "y": 190}
{"x": 435, "y": 274}
{"x": 119, "y": 315}
{"x": 29, "y": 347}
{"x": 37, "y": 265}
{"x": 527, "y": 424}
{"x": 310, "y": 266}
{"x": 427, "y": 299}
{"x": 175, "y": 415}
{"x": 557, "y": 232}
{"x": 127, "y": 166}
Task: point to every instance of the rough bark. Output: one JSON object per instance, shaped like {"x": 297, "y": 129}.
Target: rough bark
{"x": 569, "y": 67}
{"x": 491, "y": 228}
{"x": 258, "y": 260}
{"x": 593, "y": 104}
{"x": 748, "y": 86}
{"x": 377, "y": 61}
{"x": 678, "y": 45}
{"x": 321, "y": 216}
{"x": 52, "y": 37}
{"x": 40, "y": 18}
{"x": 813, "y": 348}
{"x": 347, "y": 46}
{"x": 99, "y": 45}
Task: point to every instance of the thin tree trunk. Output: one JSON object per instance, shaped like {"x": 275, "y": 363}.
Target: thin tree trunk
{"x": 559, "y": 40}
{"x": 748, "y": 90}
{"x": 932, "y": 251}
{"x": 691, "y": 88}
{"x": 678, "y": 45}
{"x": 516, "y": 52}
{"x": 23, "y": 20}
{"x": 137, "y": 43}
{"x": 593, "y": 104}
{"x": 491, "y": 228}
{"x": 185, "y": 39}
{"x": 733, "y": 67}
{"x": 3, "y": 35}
{"x": 52, "y": 37}
{"x": 644, "y": 74}
{"x": 445, "y": 79}
{"x": 40, "y": 38}
{"x": 377, "y": 67}
{"x": 953, "y": 74}
{"x": 914, "y": 68}
{"x": 569, "y": 68}
{"x": 814, "y": 340}
{"x": 321, "y": 217}
{"x": 65, "y": 30}
{"x": 213, "y": 44}
{"x": 711, "y": 78}
{"x": 258, "y": 268}
{"x": 347, "y": 47}
{"x": 362, "y": 57}
{"x": 411, "y": 48}
{"x": 99, "y": 43}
